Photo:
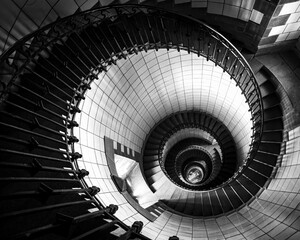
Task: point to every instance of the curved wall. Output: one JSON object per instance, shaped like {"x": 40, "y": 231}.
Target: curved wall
{"x": 126, "y": 102}
{"x": 19, "y": 18}
{"x": 275, "y": 214}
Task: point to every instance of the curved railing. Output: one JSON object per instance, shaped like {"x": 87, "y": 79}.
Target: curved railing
{"x": 150, "y": 28}
{"x": 191, "y": 35}
{"x": 162, "y": 153}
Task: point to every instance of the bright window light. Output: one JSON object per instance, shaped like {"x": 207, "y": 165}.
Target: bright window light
{"x": 289, "y": 8}
{"x": 124, "y": 165}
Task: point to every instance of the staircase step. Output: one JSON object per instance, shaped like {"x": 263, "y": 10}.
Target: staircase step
{"x": 190, "y": 203}
{"x": 181, "y": 202}
{"x": 249, "y": 185}
{"x": 157, "y": 135}
{"x": 233, "y": 197}
{"x": 166, "y": 191}
{"x": 273, "y": 136}
{"x": 216, "y": 206}
{"x": 152, "y": 146}
{"x": 154, "y": 178}
{"x": 226, "y": 205}
{"x": 267, "y": 88}
{"x": 150, "y": 158}
{"x": 207, "y": 208}
{"x": 273, "y": 112}
{"x": 270, "y": 100}
{"x": 273, "y": 124}
{"x": 266, "y": 158}
{"x": 153, "y": 140}
{"x": 261, "y": 77}
{"x": 198, "y": 211}
{"x": 255, "y": 177}
{"x": 152, "y": 171}
{"x": 269, "y": 147}
{"x": 175, "y": 197}
{"x": 151, "y": 152}
{"x": 167, "y": 125}
{"x": 241, "y": 191}
{"x": 157, "y": 179}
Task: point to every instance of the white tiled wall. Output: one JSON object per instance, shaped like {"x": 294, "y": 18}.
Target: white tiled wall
{"x": 179, "y": 81}
{"x": 291, "y": 28}
{"x": 275, "y": 214}
{"x": 241, "y": 9}
{"x": 128, "y": 100}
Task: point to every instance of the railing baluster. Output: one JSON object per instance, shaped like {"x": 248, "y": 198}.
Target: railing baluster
{"x": 44, "y": 208}
{"x": 42, "y": 97}
{"x": 32, "y": 143}
{"x": 36, "y": 179}
{"x": 45, "y": 191}
{"x": 31, "y": 132}
{"x": 108, "y": 54}
{"x": 51, "y": 107}
{"x": 38, "y": 115}
{"x": 150, "y": 29}
{"x": 59, "y": 70}
{"x": 70, "y": 60}
{"x": 39, "y": 156}
{"x": 88, "y": 48}
{"x": 81, "y": 49}
{"x": 136, "y": 228}
{"x": 39, "y": 105}
{"x": 106, "y": 227}
{"x": 214, "y": 53}
{"x": 57, "y": 89}
{"x": 120, "y": 50}
{"x": 75, "y": 54}
{"x": 164, "y": 32}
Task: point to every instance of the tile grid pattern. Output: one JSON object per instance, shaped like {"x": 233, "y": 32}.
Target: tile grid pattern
{"x": 144, "y": 90}
{"x": 240, "y": 9}
{"x": 163, "y": 86}
{"x": 229, "y": 228}
{"x": 271, "y": 215}
{"x": 285, "y": 23}
{"x": 19, "y": 18}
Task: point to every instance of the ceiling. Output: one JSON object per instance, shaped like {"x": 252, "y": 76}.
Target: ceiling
{"x": 257, "y": 25}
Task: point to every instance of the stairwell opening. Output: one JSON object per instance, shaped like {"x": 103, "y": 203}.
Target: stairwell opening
{"x": 167, "y": 90}
{"x": 100, "y": 117}
{"x": 135, "y": 87}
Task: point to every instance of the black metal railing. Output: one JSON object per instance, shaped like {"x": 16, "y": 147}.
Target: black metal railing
{"x": 39, "y": 99}
{"x": 155, "y": 29}
{"x": 220, "y": 133}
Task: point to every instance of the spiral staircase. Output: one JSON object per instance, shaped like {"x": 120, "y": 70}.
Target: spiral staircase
{"x": 45, "y": 77}
{"x": 230, "y": 196}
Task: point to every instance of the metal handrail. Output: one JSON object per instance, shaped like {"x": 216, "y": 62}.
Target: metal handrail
{"x": 23, "y": 54}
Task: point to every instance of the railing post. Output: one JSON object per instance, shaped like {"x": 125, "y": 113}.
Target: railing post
{"x": 93, "y": 190}
{"x": 82, "y": 173}
{"x": 174, "y": 238}
{"x": 74, "y": 156}
{"x": 135, "y": 228}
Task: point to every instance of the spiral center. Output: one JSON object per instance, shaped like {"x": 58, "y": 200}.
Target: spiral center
{"x": 194, "y": 174}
